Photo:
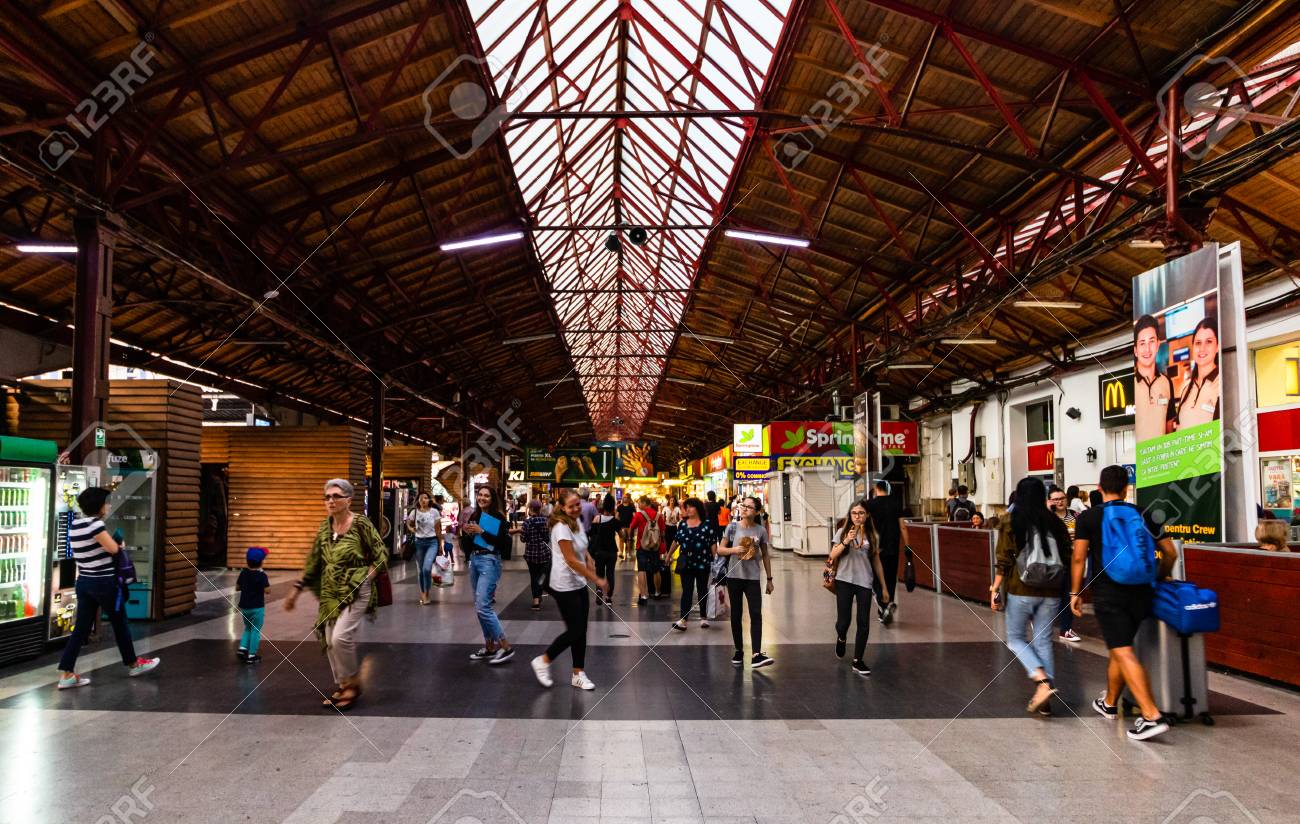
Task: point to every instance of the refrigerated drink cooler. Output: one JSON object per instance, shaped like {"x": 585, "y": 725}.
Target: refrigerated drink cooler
{"x": 132, "y": 476}
{"x": 26, "y": 530}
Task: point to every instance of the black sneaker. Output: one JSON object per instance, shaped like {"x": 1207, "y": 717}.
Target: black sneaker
{"x": 481, "y": 654}
{"x": 887, "y": 614}
{"x": 840, "y": 646}
{"x": 760, "y": 660}
{"x": 738, "y": 659}
{"x": 642, "y": 601}
{"x": 252, "y": 659}
{"x": 1144, "y": 728}
{"x": 241, "y": 654}
{"x": 1103, "y": 709}
{"x": 502, "y": 655}
{"x": 861, "y": 668}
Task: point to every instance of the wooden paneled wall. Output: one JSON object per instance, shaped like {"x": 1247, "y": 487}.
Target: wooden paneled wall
{"x": 168, "y": 416}
{"x": 965, "y": 562}
{"x": 276, "y": 482}
{"x": 215, "y": 448}
{"x": 918, "y": 537}
{"x": 403, "y": 461}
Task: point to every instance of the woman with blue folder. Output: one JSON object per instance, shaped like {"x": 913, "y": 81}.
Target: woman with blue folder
{"x": 484, "y": 538}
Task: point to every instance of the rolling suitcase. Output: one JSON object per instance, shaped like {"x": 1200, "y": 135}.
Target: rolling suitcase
{"x": 1175, "y": 665}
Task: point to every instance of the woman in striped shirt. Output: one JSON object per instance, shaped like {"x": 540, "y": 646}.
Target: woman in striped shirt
{"x": 97, "y": 589}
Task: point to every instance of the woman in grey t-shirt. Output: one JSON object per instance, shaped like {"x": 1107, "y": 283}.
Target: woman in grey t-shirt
{"x": 856, "y": 563}
{"x": 745, "y": 543}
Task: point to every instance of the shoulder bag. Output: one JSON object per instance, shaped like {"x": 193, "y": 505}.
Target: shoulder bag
{"x": 382, "y": 583}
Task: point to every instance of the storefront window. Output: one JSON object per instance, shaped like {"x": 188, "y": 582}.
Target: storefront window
{"x": 1038, "y": 422}
{"x": 1278, "y": 485}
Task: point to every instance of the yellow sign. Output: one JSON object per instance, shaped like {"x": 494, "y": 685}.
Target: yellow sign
{"x": 753, "y": 464}
{"x": 1277, "y": 375}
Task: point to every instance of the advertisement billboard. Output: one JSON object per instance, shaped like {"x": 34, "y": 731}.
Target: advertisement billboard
{"x": 815, "y": 438}
{"x": 632, "y": 459}
{"x": 1178, "y": 421}
{"x": 751, "y": 469}
{"x": 900, "y": 438}
{"x": 1041, "y": 457}
{"x": 747, "y": 438}
{"x": 569, "y": 467}
{"x": 843, "y": 464}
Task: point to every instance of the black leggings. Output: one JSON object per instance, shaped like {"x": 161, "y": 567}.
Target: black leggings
{"x": 845, "y": 595}
{"x": 736, "y": 587}
{"x": 695, "y": 583}
{"x": 606, "y": 564}
{"x": 539, "y": 577}
{"x": 574, "y": 606}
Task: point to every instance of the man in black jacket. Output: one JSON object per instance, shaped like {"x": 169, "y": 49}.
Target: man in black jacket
{"x": 887, "y": 517}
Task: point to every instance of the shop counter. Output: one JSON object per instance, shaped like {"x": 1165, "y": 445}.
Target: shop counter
{"x": 1258, "y": 594}
{"x": 920, "y": 537}
{"x": 965, "y": 560}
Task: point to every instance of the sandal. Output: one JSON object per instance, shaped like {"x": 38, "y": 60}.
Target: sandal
{"x": 1035, "y": 703}
{"x": 347, "y": 699}
{"x": 334, "y": 696}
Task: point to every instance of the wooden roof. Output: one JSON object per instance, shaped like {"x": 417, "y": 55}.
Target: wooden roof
{"x": 314, "y": 153}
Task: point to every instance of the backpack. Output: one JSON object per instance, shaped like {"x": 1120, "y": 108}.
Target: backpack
{"x": 650, "y": 537}
{"x": 1039, "y": 563}
{"x": 1128, "y": 552}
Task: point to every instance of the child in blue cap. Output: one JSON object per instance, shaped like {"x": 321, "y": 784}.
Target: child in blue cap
{"x": 252, "y": 586}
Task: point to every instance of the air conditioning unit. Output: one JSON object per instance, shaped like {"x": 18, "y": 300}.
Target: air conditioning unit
{"x": 889, "y": 412}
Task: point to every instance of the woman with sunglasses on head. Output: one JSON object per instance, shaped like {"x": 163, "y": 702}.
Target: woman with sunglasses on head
{"x": 484, "y": 538}
{"x": 855, "y": 559}
{"x": 340, "y": 569}
{"x": 571, "y": 570}
{"x": 746, "y": 546}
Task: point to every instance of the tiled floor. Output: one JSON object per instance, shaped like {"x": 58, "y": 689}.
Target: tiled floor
{"x": 673, "y": 732}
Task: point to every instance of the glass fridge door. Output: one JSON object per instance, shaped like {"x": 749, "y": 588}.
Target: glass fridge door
{"x": 70, "y": 482}
{"x": 24, "y": 540}
{"x": 131, "y": 476}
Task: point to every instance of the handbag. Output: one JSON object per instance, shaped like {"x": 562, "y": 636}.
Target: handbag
{"x": 408, "y": 548}
{"x": 909, "y": 571}
{"x": 382, "y": 583}
{"x": 828, "y": 575}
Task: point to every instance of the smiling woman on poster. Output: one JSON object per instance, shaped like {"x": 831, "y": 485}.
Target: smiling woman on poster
{"x": 1154, "y": 394}
{"x": 1199, "y": 402}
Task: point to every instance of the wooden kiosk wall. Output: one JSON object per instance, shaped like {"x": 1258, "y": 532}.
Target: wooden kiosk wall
{"x": 168, "y": 416}
{"x": 276, "y": 477}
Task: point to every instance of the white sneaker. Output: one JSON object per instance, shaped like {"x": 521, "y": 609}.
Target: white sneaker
{"x": 143, "y": 665}
{"x": 704, "y": 623}
{"x": 581, "y": 681}
{"x": 542, "y": 670}
{"x": 73, "y": 682}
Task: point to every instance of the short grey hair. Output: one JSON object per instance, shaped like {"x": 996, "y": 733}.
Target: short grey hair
{"x": 344, "y": 486}
{"x": 585, "y": 493}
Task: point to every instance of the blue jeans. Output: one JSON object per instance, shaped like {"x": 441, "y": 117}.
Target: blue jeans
{"x": 1036, "y": 652}
{"x": 252, "y": 636}
{"x": 425, "y": 549}
{"x": 93, "y": 596}
{"x": 484, "y": 572}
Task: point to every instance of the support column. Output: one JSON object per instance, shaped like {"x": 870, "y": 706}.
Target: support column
{"x": 464, "y": 468}
{"x": 375, "y": 500}
{"x": 92, "y": 326}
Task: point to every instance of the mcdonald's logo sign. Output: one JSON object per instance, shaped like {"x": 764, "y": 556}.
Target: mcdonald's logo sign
{"x": 1115, "y": 396}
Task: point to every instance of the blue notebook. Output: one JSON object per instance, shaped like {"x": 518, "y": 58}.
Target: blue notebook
{"x": 491, "y": 526}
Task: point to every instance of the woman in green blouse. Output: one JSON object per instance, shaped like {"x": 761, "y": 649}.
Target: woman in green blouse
{"x": 344, "y": 559}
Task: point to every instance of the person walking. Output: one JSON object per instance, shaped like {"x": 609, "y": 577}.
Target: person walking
{"x": 603, "y": 545}
{"x": 572, "y": 569}
{"x": 646, "y": 531}
{"x": 340, "y": 570}
{"x": 252, "y": 585}
{"x": 711, "y": 510}
{"x": 484, "y": 539}
{"x": 1120, "y": 608}
{"x": 886, "y": 517}
{"x": 537, "y": 552}
{"x": 94, "y": 551}
{"x": 855, "y": 561}
{"x": 589, "y": 510}
{"x": 697, "y": 545}
{"x": 1032, "y": 528}
{"x": 425, "y": 523}
{"x": 746, "y": 546}
{"x": 1057, "y": 505}
{"x": 626, "y": 510}
{"x": 672, "y": 517}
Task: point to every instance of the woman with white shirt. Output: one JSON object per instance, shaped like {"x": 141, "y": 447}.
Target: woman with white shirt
{"x": 856, "y": 563}
{"x": 425, "y": 523}
{"x": 571, "y": 569}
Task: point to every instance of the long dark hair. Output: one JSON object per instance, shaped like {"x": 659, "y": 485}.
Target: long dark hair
{"x": 1213, "y": 325}
{"x": 846, "y": 523}
{"x": 1032, "y": 515}
{"x": 494, "y": 504}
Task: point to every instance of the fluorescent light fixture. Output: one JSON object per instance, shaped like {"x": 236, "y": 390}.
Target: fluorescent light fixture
{"x": 909, "y": 366}
{"x": 711, "y": 338}
{"x": 577, "y": 423}
{"x": 652, "y": 435}
{"x": 260, "y": 343}
{"x": 1048, "y": 304}
{"x": 569, "y": 406}
{"x": 483, "y": 240}
{"x": 554, "y": 382}
{"x": 969, "y": 341}
{"x": 762, "y": 237}
{"x": 670, "y": 406}
{"x": 686, "y": 381}
{"x": 661, "y": 423}
{"x": 1147, "y": 244}
{"x": 529, "y": 339}
{"x": 47, "y": 248}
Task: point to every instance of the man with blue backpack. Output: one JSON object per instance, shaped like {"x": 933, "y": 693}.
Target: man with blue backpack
{"x": 1128, "y": 553}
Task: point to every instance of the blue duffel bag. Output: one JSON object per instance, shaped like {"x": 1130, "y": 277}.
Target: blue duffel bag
{"x": 1186, "y": 607}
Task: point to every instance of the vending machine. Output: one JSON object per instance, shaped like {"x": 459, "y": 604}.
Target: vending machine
{"x": 26, "y": 530}
{"x": 69, "y": 482}
{"x": 132, "y": 477}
